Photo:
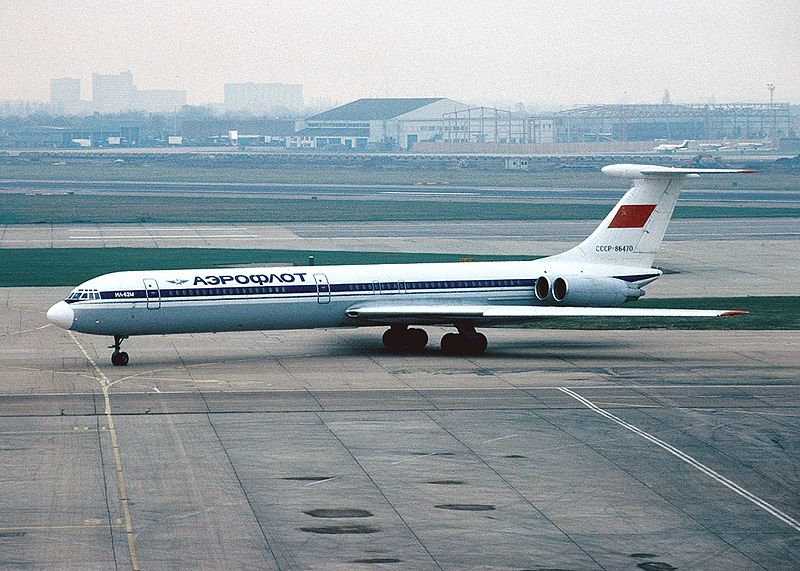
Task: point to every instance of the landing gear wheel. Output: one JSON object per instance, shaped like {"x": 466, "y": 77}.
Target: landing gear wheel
{"x": 402, "y": 340}
{"x": 394, "y": 340}
{"x": 460, "y": 344}
{"x": 118, "y": 358}
{"x": 478, "y": 344}
{"x": 416, "y": 340}
{"x": 451, "y": 344}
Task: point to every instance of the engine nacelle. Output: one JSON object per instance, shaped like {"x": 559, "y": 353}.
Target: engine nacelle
{"x": 593, "y": 291}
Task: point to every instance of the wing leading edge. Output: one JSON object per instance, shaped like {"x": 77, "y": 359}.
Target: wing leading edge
{"x": 500, "y": 313}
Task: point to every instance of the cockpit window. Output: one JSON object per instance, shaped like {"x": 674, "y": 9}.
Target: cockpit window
{"x": 83, "y": 294}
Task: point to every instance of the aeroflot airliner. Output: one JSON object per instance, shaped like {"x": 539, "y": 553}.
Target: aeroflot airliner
{"x": 593, "y": 279}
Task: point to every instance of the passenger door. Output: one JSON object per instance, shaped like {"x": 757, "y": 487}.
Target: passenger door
{"x": 323, "y": 288}
{"x": 152, "y": 293}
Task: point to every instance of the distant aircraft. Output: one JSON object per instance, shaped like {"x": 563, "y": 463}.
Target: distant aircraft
{"x": 593, "y": 279}
{"x": 671, "y": 148}
{"x": 746, "y": 145}
{"x": 709, "y": 146}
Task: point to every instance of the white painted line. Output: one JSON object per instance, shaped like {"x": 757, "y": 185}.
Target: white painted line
{"x": 320, "y": 481}
{"x": 764, "y": 505}
{"x": 24, "y": 331}
{"x": 501, "y": 438}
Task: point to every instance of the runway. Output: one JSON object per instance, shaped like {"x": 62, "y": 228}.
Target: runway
{"x": 726, "y": 196}
{"x": 316, "y": 449}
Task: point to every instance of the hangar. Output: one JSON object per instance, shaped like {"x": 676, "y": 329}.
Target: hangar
{"x": 386, "y": 123}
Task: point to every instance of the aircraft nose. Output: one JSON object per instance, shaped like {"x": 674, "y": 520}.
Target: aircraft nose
{"x": 61, "y": 314}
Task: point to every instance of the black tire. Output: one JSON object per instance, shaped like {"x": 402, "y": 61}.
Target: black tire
{"x": 451, "y": 344}
{"x": 477, "y": 345}
{"x": 416, "y": 340}
{"x": 119, "y": 359}
{"x": 394, "y": 340}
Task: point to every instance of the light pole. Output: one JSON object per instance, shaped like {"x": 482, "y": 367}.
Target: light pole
{"x": 771, "y": 88}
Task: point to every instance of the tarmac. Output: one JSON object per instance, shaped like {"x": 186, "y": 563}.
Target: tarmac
{"x": 569, "y": 450}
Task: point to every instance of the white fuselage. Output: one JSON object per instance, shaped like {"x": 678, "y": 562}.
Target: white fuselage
{"x": 246, "y": 299}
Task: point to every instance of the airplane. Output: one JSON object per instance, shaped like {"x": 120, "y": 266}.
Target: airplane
{"x": 671, "y": 148}
{"x": 746, "y": 146}
{"x": 593, "y": 279}
{"x": 710, "y": 146}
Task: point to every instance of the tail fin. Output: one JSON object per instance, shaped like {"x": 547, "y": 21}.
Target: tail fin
{"x": 632, "y": 232}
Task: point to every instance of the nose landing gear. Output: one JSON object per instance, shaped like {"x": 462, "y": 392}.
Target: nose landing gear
{"x": 118, "y": 358}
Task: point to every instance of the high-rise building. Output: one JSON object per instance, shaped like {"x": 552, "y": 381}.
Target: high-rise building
{"x": 65, "y": 96}
{"x": 112, "y": 93}
{"x": 275, "y": 99}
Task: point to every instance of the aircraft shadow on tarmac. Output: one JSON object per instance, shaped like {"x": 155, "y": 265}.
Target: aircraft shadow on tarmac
{"x": 368, "y": 345}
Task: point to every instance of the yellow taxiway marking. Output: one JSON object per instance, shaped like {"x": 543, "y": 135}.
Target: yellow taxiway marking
{"x": 123, "y": 494}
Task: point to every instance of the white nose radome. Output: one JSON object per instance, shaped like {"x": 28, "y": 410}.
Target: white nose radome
{"x": 61, "y": 314}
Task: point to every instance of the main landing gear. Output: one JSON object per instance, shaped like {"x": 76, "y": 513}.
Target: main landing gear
{"x": 402, "y": 339}
{"x": 118, "y": 358}
{"x": 466, "y": 342}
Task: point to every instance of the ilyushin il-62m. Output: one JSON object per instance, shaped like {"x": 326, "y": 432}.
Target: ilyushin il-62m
{"x": 594, "y": 279}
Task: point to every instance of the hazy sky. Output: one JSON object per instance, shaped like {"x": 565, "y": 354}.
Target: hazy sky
{"x": 478, "y": 52}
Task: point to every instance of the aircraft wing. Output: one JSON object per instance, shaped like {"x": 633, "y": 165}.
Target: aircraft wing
{"x": 500, "y": 313}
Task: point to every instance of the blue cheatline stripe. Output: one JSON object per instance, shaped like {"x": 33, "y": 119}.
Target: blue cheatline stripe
{"x": 383, "y": 287}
